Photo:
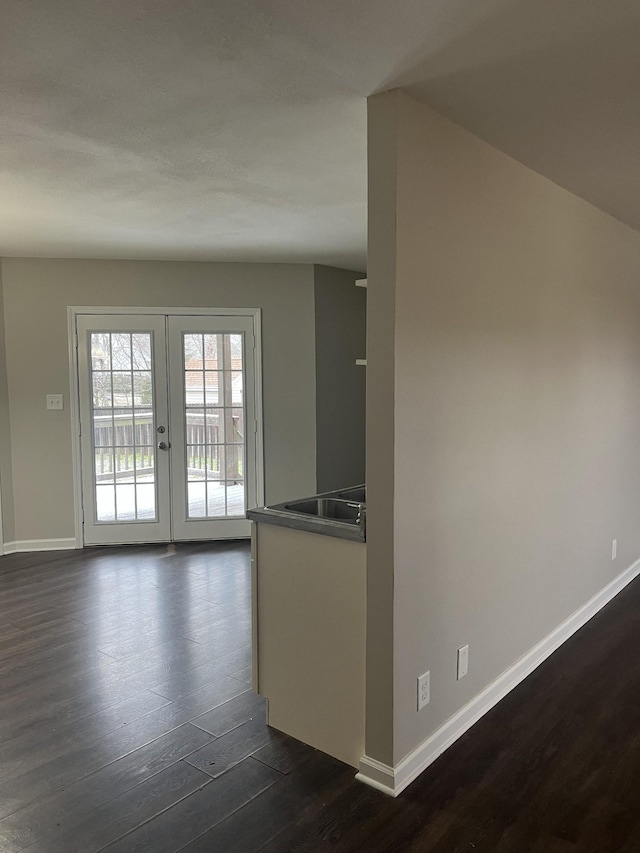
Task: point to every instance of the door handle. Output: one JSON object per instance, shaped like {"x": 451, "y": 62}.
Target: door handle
{"x": 164, "y": 445}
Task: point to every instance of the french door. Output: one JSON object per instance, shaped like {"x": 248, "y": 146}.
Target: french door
{"x": 168, "y": 426}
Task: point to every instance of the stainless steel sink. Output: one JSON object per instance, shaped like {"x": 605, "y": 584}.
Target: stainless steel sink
{"x": 357, "y": 493}
{"x": 335, "y": 508}
{"x": 341, "y": 513}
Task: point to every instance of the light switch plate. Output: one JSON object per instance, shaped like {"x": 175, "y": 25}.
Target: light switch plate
{"x": 55, "y": 402}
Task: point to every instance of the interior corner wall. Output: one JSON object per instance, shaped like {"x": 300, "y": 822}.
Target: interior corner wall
{"x": 341, "y": 338}
{"x": 381, "y": 273}
{"x": 6, "y": 479}
{"x": 517, "y": 411}
{"x": 36, "y": 295}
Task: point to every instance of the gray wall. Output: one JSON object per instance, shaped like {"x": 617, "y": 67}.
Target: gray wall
{"x": 516, "y": 401}
{"x": 6, "y": 480}
{"x": 37, "y": 293}
{"x": 341, "y": 338}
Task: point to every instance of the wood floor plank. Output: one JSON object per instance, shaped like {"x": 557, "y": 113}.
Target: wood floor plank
{"x": 194, "y": 815}
{"x": 41, "y": 742}
{"x": 225, "y": 752}
{"x": 262, "y": 818}
{"x": 49, "y": 653}
{"x": 221, "y": 720}
{"x": 69, "y": 804}
{"x": 101, "y": 749}
{"x": 62, "y": 707}
{"x": 174, "y": 656}
{"x": 188, "y": 680}
{"x": 243, "y": 674}
{"x": 350, "y": 809}
{"x": 129, "y": 810}
{"x": 282, "y": 752}
{"x": 212, "y": 631}
{"x": 50, "y": 775}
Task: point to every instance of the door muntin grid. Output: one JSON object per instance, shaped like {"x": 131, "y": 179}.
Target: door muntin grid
{"x": 214, "y": 423}
{"x": 123, "y": 424}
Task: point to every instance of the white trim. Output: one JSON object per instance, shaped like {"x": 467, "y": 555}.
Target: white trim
{"x": 72, "y": 313}
{"x": 258, "y": 404}
{"x": 194, "y": 312}
{"x": 377, "y": 775}
{"x": 26, "y": 545}
{"x": 361, "y": 282}
{"x": 393, "y": 780}
{"x": 75, "y": 428}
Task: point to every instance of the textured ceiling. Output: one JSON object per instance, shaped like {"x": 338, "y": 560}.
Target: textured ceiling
{"x": 236, "y": 130}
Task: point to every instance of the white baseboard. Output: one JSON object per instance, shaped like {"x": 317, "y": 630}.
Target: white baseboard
{"x": 25, "y": 545}
{"x": 393, "y": 780}
{"x": 377, "y": 775}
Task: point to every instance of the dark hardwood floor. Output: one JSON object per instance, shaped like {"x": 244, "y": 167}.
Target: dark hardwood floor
{"x": 127, "y": 724}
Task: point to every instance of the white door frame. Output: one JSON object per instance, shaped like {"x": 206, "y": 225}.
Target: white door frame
{"x": 74, "y": 310}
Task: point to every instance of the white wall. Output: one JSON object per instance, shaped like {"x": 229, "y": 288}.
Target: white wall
{"x": 516, "y": 400}
{"x": 36, "y": 296}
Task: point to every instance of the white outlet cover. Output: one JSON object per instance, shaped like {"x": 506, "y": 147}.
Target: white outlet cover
{"x": 55, "y": 402}
{"x": 424, "y": 690}
{"x": 463, "y": 661}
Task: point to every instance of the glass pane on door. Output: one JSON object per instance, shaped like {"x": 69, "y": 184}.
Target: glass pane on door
{"x": 214, "y": 424}
{"x": 122, "y": 415}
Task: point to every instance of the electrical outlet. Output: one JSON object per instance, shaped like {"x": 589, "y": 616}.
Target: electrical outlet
{"x": 463, "y": 661}
{"x": 614, "y": 548}
{"x": 424, "y": 690}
